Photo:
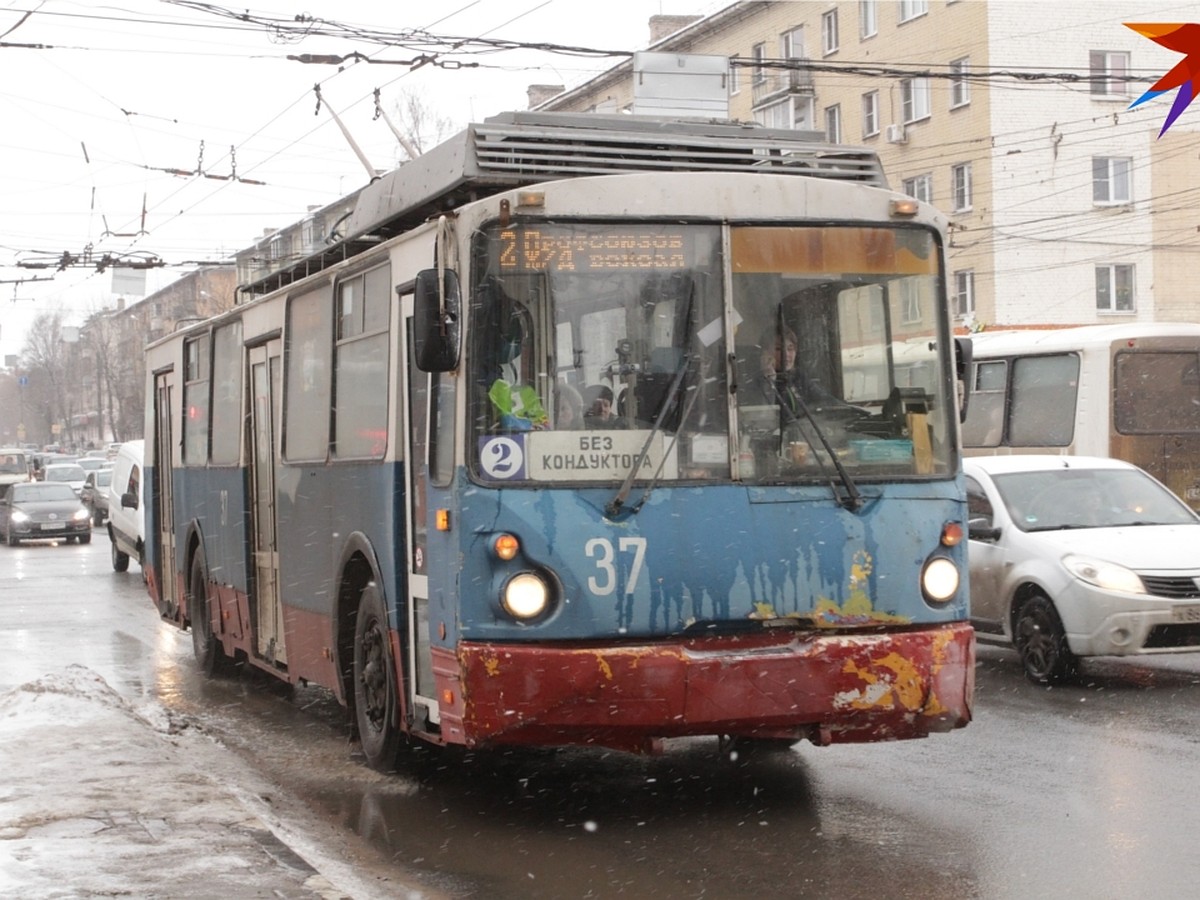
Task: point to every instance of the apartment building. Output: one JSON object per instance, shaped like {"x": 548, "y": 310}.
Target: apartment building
{"x": 1066, "y": 207}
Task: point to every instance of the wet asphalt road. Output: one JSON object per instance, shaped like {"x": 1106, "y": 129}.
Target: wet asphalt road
{"x": 1087, "y": 790}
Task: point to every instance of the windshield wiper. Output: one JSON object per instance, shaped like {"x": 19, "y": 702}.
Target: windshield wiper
{"x": 616, "y": 503}
{"x": 852, "y": 500}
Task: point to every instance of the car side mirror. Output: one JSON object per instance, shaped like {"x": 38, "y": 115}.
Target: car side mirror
{"x": 981, "y": 529}
{"x": 129, "y": 500}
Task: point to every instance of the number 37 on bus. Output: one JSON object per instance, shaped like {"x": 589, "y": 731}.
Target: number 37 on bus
{"x": 541, "y": 456}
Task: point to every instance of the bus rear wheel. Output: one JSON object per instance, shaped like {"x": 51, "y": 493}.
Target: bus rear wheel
{"x": 376, "y": 698}
{"x": 209, "y": 654}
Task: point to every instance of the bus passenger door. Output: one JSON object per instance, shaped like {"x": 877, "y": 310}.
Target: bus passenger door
{"x": 164, "y": 504}
{"x": 264, "y": 419}
{"x": 419, "y": 665}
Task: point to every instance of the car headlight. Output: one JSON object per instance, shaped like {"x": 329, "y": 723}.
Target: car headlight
{"x": 1106, "y": 575}
{"x": 19, "y": 517}
{"x": 939, "y": 579}
{"x": 81, "y": 515}
{"x": 525, "y": 596}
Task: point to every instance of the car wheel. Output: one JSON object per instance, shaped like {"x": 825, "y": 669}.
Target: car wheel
{"x": 1042, "y": 643}
{"x": 120, "y": 561}
{"x": 12, "y": 539}
{"x": 85, "y": 539}
{"x": 209, "y": 654}
{"x": 376, "y": 697}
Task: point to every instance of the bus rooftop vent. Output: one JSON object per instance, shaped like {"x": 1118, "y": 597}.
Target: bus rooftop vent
{"x": 522, "y": 148}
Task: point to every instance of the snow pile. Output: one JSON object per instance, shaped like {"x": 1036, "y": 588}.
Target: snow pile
{"x": 99, "y": 798}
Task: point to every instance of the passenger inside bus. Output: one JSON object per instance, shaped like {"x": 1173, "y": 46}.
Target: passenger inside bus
{"x": 568, "y": 408}
{"x": 599, "y": 400}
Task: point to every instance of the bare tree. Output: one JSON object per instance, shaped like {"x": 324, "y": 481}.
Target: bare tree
{"x": 418, "y": 126}
{"x": 45, "y": 360}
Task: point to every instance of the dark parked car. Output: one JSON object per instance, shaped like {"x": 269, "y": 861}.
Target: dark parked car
{"x": 43, "y": 510}
{"x": 94, "y": 494}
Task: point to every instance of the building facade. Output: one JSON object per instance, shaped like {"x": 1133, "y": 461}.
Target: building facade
{"x": 1066, "y": 207}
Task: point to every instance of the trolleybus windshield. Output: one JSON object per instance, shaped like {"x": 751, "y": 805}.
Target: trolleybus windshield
{"x": 757, "y": 353}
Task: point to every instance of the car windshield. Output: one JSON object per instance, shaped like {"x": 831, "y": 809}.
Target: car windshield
{"x": 65, "y": 473}
{"x": 41, "y": 492}
{"x": 1088, "y": 498}
{"x": 13, "y": 464}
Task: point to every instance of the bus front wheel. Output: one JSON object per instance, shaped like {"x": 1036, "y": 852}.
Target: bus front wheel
{"x": 376, "y": 697}
{"x": 209, "y": 654}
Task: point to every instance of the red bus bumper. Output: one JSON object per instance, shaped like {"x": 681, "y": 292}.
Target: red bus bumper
{"x": 824, "y": 687}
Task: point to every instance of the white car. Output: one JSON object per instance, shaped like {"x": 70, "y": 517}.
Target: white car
{"x": 69, "y": 473}
{"x": 1074, "y": 556}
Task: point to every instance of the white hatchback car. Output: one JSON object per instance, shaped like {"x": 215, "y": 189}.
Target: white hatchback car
{"x": 1074, "y": 556}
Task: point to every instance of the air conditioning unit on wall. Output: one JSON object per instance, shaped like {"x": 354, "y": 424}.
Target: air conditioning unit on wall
{"x": 895, "y": 134}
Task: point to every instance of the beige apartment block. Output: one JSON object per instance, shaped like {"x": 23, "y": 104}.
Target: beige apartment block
{"x": 1012, "y": 116}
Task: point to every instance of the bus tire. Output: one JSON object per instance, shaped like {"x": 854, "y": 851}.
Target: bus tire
{"x": 210, "y": 656}
{"x": 1042, "y": 643}
{"x": 376, "y": 698}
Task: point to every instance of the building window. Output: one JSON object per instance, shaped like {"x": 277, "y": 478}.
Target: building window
{"x": 833, "y": 123}
{"x": 793, "y": 112}
{"x": 910, "y": 301}
{"x": 1109, "y": 70}
{"x": 870, "y": 113}
{"x": 960, "y": 178}
{"x": 829, "y": 32}
{"x": 914, "y": 99}
{"x": 911, "y": 9}
{"x": 868, "y": 20}
{"x": 920, "y": 187}
{"x": 1111, "y": 177}
{"x": 964, "y": 293}
{"x": 757, "y": 74}
{"x": 1114, "y": 289}
{"x": 960, "y": 88}
{"x": 791, "y": 44}
{"x": 735, "y": 83}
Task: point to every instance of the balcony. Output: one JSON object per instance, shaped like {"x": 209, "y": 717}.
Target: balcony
{"x": 778, "y": 83}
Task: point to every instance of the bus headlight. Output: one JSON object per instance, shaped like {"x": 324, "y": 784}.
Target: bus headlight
{"x": 939, "y": 579}
{"x": 525, "y": 596}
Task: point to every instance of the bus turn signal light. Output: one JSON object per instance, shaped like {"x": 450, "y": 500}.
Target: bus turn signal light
{"x": 506, "y": 546}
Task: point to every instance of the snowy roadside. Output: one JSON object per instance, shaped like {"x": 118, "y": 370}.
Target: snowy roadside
{"x": 98, "y": 798}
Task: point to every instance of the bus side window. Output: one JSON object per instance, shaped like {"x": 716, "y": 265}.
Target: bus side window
{"x": 984, "y": 425}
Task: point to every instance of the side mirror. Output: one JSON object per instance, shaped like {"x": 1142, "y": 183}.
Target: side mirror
{"x": 963, "y": 355}
{"x": 129, "y": 500}
{"x": 981, "y": 530}
{"x": 436, "y": 315}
